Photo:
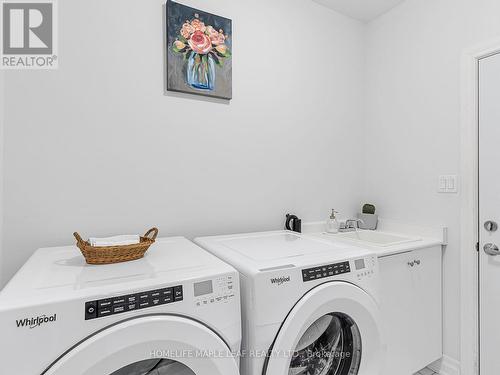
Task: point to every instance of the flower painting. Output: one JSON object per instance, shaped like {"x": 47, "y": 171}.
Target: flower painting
{"x": 199, "y": 52}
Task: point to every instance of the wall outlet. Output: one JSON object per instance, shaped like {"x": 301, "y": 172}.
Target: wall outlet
{"x": 448, "y": 184}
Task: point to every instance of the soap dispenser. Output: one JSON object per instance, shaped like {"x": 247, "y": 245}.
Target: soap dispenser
{"x": 332, "y": 224}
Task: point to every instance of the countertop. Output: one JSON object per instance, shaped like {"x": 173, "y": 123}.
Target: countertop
{"x": 384, "y": 251}
{"x": 425, "y": 237}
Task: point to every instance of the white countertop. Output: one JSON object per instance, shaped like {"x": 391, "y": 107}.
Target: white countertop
{"x": 422, "y": 237}
{"x": 384, "y": 251}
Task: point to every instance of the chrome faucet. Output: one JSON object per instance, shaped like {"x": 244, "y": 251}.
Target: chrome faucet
{"x": 350, "y": 225}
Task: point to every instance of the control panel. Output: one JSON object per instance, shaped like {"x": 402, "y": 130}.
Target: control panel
{"x": 130, "y": 302}
{"x": 328, "y": 270}
{"x": 219, "y": 290}
{"x": 365, "y": 267}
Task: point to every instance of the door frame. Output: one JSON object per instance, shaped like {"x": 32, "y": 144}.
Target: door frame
{"x": 469, "y": 205}
{"x": 2, "y": 147}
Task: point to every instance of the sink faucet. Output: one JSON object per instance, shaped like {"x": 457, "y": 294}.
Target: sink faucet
{"x": 351, "y": 225}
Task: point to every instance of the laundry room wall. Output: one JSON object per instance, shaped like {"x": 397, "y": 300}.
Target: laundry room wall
{"x": 97, "y": 147}
{"x": 413, "y": 124}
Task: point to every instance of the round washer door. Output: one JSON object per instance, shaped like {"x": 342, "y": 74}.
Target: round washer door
{"x": 334, "y": 329}
{"x": 159, "y": 344}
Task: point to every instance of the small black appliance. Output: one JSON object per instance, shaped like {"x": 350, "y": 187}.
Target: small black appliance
{"x": 293, "y": 223}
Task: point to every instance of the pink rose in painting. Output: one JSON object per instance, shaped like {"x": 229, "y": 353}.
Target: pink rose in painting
{"x": 200, "y": 43}
{"x": 198, "y": 25}
{"x": 218, "y": 39}
{"x": 187, "y": 30}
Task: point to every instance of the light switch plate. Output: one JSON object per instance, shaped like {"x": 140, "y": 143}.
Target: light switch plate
{"x": 448, "y": 184}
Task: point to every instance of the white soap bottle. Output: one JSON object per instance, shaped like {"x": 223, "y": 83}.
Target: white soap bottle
{"x": 332, "y": 224}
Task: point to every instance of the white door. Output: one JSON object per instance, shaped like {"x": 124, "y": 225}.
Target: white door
{"x": 151, "y": 345}
{"x": 489, "y": 210}
{"x": 333, "y": 329}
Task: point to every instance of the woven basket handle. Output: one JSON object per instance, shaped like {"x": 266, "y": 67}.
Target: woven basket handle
{"x": 78, "y": 238}
{"x": 153, "y": 231}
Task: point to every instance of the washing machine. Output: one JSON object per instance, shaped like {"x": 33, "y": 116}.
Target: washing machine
{"x": 309, "y": 307}
{"x": 174, "y": 312}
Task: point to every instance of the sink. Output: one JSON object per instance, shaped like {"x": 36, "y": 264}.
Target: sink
{"x": 373, "y": 238}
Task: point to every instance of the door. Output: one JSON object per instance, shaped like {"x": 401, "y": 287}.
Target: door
{"x": 489, "y": 212}
{"x": 334, "y": 330}
{"x": 150, "y": 345}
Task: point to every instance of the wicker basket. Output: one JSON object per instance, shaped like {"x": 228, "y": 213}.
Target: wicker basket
{"x": 115, "y": 254}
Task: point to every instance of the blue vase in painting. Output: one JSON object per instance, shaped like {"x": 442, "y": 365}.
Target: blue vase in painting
{"x": 201, "y": 72}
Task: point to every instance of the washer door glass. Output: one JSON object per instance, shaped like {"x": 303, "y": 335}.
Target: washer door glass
{"x": 330, "y": 346}
{"x": 155, "y": 367}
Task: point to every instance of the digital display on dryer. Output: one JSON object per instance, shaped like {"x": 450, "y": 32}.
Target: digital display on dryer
{"x": 202, "y": 288}
{"x": 359, "y": 264}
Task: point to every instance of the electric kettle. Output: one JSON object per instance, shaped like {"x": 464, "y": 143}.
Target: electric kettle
{"x": 293, "y": 223}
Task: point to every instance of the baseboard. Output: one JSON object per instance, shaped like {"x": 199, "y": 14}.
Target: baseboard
{"x": 446, "y": 366}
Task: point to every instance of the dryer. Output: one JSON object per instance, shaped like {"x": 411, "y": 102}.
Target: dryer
{"x": 309, "y": 307}
{"x": 176, "y": 311}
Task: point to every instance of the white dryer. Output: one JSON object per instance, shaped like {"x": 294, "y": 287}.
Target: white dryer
{"x": 174, "y": 312}
{"x": 309, "y": 307}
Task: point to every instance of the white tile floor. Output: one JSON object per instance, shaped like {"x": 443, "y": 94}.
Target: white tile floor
{"x": 426, "y": 371}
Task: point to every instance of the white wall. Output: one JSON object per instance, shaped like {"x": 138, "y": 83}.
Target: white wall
{"x": 96, "y": 147}
{"x": 413, "y": 95}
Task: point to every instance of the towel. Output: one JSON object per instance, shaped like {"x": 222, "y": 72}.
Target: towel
{"x": 115, "y": 241}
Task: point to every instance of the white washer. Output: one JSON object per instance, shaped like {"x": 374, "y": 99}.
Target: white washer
{"x": 176, "y": 311}
{"x": 308, "y": 306}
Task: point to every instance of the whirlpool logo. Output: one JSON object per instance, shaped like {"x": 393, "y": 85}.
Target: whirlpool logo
{"x": 280, "y": 280}
{"x": 35, "y": 322}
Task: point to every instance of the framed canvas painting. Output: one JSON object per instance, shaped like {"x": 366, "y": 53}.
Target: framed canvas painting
{"x": 199, "y": 52}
